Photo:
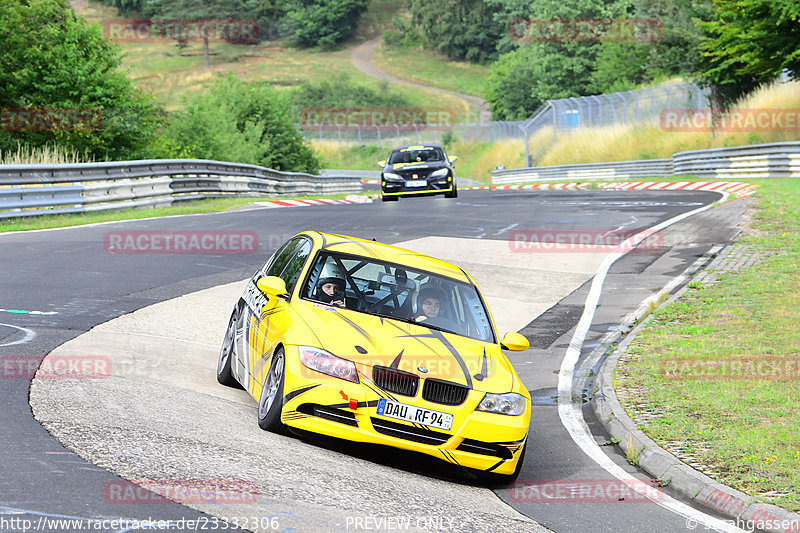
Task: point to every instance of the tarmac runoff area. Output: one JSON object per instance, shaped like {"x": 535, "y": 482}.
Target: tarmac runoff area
{"x": 161, "y": 415}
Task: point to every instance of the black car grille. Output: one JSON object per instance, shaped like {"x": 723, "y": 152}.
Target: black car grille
{"x": 444, "y": 392}
{"x": 485, "y": 448}
{"x": 407, "y": 432}
{"x": 329, "y": 413}
{"x": 396, "y": 381}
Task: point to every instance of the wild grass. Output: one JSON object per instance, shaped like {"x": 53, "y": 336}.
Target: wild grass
{"x": 623, "y": 142}
{"x": 742, "y": 421}
{"x": 43, "y": 155}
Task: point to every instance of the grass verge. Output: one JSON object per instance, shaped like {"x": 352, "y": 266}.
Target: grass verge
{"x": 716, "y": 373}
{"x": 210, "y": 205}
{"x": 426, "y": 68}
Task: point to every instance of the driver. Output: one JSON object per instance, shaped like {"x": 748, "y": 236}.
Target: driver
{"x": 431, "y": 298}
{"x": 330, "y": 287}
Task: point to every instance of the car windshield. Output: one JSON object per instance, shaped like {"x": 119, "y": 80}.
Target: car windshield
{"x": 416, "y": 154}
{"x": 394, "y": 291}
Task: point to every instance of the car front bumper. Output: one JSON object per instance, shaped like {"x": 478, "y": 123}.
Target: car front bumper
{"x": 322, "y": 404}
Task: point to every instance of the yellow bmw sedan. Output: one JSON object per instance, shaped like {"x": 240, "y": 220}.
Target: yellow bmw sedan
{"x": 372, "y": 343}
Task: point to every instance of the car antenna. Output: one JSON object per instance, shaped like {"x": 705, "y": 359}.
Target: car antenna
{"x": 373, "y": 239}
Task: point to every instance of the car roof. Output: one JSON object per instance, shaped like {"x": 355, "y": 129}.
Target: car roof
{"x": 385, "y": 252}
{"x": 416, "y": 146}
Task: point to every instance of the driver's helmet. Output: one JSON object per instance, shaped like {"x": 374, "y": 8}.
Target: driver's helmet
{"x": 332, "y": 272}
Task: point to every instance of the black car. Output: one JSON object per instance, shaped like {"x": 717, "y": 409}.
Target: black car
{"x": 417, "y": 171}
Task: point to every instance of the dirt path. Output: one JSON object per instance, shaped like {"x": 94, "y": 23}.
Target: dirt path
{"x": 362, "y": 58}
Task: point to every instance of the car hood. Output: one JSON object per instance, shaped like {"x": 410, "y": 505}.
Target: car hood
{"x": 415, "y": 167}
{"x": 430, "y": 353}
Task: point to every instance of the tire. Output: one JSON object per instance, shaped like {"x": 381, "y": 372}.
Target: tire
{"x": 503, "y": 480}
{"x": 270, "y": 404}
{"x": 227, "y": 353}
{"x": 453, "y": 193}
{"x": 388, "y": 198}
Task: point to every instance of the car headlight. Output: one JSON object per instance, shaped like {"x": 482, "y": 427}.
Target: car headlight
{"x": 441, "y": 173}
{"x": 392, "y": 176}
{"x": 511, "y": 404}
{"x": 327, "y": 363}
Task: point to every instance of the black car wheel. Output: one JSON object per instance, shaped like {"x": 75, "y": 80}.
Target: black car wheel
{"x": 388, "y": 198}
{"x": 271, "y": 402}
{"x": 453, "y": 193}
{"x": 228, "y": 352}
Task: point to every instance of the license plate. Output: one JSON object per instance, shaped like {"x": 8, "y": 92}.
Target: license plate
{"x": 418, "y": 415}
{"x": 416, "y": 183}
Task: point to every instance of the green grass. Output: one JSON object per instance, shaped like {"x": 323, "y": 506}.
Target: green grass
{"x": 425, "y": 67}
{"x": 211, "y": 205}
{"x": 743, "y": 424}
{"x": 171, "y": 74}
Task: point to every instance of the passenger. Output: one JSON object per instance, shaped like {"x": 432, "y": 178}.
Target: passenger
{"x": 432, "y": 301}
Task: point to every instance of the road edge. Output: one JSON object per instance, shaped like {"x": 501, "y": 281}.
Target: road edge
{"x": 658, "y": 462}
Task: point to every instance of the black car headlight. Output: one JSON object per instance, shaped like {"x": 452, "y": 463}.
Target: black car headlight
{"x": 511, "y": 404}
{"x": 327, "y": 363}
{"x": 391, "y": 176}
{"x": 441, "y": 173}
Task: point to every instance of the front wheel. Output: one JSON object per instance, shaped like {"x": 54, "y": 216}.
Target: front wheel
{"x": 453, "y": 193}
{"x": 271, "y": 402}
{"x": 388, "y": 198}
{"x": 228, "y": 352}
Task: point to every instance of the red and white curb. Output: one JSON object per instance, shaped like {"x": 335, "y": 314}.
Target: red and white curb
{"x": 736, "y": 188}
{"x": 353, "y": 199}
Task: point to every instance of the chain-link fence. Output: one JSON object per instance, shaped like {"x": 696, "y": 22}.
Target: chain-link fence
{"x": 628, "y": 107}
{"x": 559, "y": 116}
{"x": 396, "y": 135}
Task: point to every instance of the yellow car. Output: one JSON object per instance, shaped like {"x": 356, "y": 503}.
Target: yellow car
{"x": 369, "y": 342}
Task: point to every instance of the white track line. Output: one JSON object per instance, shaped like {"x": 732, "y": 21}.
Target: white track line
{"x": 571, "y": 414}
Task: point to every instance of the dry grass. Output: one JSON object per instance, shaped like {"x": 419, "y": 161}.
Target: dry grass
{"x": 43, "y": 155}
{"x": 626, "y": 142}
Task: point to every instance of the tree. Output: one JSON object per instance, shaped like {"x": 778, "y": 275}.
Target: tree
{"x": 539, "y": 70}
{"x": 620, "y": 66}
{"x": 748, "y": 43}
{"x": 241, "y": 122}
{"x": 201, "y": 10}
{"x": 53, "y": 60}
{"x": 324, "y": 23}
{"x": 459, "y": 29}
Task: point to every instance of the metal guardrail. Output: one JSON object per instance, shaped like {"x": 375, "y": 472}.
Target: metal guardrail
{"x": 584, "y": 171}
{"x": 773, "y": 160}
{"x": 27, "y": 190}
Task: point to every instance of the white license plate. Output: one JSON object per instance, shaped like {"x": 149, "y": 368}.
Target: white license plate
{"x": 411, "y": 413}
{"x": 416, "y": 183}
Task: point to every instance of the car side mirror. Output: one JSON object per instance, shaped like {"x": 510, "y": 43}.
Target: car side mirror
{"x": 452, "y": 159}
{"x": 272, "y": 286}
{"x": 382, "y": 163}
{"x": 514, "y": 342}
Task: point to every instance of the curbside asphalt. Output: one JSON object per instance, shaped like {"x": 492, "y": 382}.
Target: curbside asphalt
{"x": 659, "y": 463}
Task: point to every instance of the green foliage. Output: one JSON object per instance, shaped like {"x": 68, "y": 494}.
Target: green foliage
{"x": 525, "y": 77}
{"x": 677, "y": 52}
{"x": 404, "y": 35}
{"x": 54, "y": 60}
{"x": 748, "y": 43}
{"x": 241, "y": 122}
{"x": 459, "y": 29}
{"x": 340, "y": 91}
{"x": 324, "y": 23}
{"x": 620, "y": 66}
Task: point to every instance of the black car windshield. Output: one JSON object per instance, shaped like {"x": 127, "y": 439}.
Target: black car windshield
{"x": 417, "y": 154}
{"x": 394, "y": 291}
